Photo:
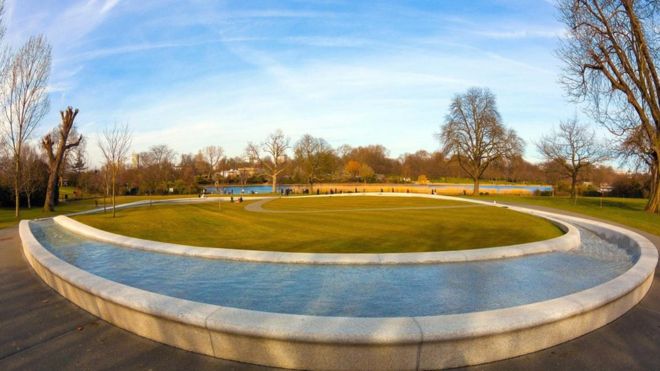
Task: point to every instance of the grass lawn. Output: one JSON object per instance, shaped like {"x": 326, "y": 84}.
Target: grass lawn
{"x": 626, "y": 211}
{"x": 7, "y": 218}
{"x": 345, "y": 225}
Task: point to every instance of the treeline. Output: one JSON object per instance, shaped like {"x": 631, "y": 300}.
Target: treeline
{"x": 310, "y": 160}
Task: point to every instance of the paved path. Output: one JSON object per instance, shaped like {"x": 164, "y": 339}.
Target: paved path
{"x": 40, "y": 330}
{"x": 257, "y": 207}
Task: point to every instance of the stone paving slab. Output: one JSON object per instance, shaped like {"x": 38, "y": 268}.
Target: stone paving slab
{"x": 41, "y": 330}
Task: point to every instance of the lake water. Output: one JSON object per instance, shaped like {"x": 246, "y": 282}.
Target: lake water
{"x": 491, "y": 188}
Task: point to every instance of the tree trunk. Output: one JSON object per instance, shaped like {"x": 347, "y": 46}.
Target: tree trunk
{"x": 114, "y": 201}
{"x": 55, "y": 157}
{"x": 49, "y": 202}
{"x": 274, "y": 183}
{"x": 653, "y": 205}
{"x": 29, "y": 202}
{"x": 475, "y": 190}
{"x": 574, "y": 185}
{"x": 17, "y": 181}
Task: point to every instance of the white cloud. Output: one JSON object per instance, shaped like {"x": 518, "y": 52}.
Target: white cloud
{"x": 108, "y": 5}
{"x": 521, "y": 34}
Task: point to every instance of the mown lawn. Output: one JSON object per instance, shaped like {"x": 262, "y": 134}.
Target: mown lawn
{"x": 626, "y": 211}
{"x": 411, "y": 230}
{"x": 7, "y": 218}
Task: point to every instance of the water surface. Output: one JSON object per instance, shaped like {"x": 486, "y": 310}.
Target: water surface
{"x": 346, "y": 290}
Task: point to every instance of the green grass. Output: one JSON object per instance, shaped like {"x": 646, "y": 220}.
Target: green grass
{"x": 626, "y": 211}
{"x": 7, "y": 218}
{"x": 412, "y": 230}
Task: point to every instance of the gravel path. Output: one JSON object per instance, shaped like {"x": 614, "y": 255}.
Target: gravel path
{"x": 257, "y": 207}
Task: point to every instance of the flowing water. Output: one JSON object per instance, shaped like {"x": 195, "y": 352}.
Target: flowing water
{"x": 347, "y": 290}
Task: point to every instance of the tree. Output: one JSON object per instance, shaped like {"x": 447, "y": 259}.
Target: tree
{"x": 32, "y": 174}
{"x": 24, "y": 99}
{"x": 55, "y": 156}
{"x": 610, "y": 58}
{"x": 274, "y": 160}
{"x": 352, "y": 168}
{"x": 573, "y": 147}
{"x": 212, "y": 155}
{"x": 78, "y": 165}
{"x": 376, "y": 156}
{"x": 474, "y": 134}
{"x": 114, "y": 144}
{"x": 366, "y": 172}
{"x": 315, "y": 158}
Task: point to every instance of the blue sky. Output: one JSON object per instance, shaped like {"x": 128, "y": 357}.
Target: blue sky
{"x": 197, "y": 73}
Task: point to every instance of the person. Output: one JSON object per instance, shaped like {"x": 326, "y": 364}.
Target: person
{"x": 231, "y": 199}
{"x": 240, "y": 199}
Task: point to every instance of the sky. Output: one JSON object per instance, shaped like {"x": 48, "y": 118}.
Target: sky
{"x": 195, "y": 73}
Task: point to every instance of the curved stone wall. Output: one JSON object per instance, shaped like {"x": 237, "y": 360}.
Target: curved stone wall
{"x": 568, "y": 241}
{"x": 314, "y": 342}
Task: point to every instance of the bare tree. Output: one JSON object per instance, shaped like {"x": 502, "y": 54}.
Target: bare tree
{"x": 157, "y": 167}
{"x": 474, "y": 134}
{"x": 56, "y": 155}
{"x": 77, "y": 163}
{"x": 573, "y": 147}
{"x": 212, "y": 155}
{"x": 274, "y": 159}
{"x": 23, "y": 99}
{"x": 114, "y": 144}
{"x": 610, "y": 58}
{"x": 32, "y": 174}
{"x": 314, "y": 157}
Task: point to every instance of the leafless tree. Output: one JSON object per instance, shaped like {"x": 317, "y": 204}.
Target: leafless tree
{"x": 274, "y": 159}
{"x": 212, "y": 155}
{"x": 77, "y": 163}
{"x": 573, "y": 147}
{"x": 55, "y": 150}
{"x": 474, "y": 134}
{"x": 33, "y": 169}
{"x": 114, "y": 144}
{"x": 610, "y": 56}
{"x": 157, "y": 168}
{"x": 23, "y": 98}
{"x": 314, "y": 157}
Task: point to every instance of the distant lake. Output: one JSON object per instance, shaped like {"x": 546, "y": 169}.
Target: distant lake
{"x": 260, "y": 189}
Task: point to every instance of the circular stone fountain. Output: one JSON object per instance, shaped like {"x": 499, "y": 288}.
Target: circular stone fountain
{"x": 350, "y": 311}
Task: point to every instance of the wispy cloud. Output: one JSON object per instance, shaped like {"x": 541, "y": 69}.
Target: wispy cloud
{"x": 277, "y": 13}
{"x": 330, "y": 42}
{"x": 190, "y": 74}
{"x": 108, "y": 5}
{"x": 521, "y": 34}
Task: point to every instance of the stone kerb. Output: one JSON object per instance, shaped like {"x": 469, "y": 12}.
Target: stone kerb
{"x": 300, "y": 341}
{"x": 568, "y": 241}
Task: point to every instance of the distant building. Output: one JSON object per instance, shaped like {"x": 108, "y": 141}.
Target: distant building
{"x": 241, "y": 171}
